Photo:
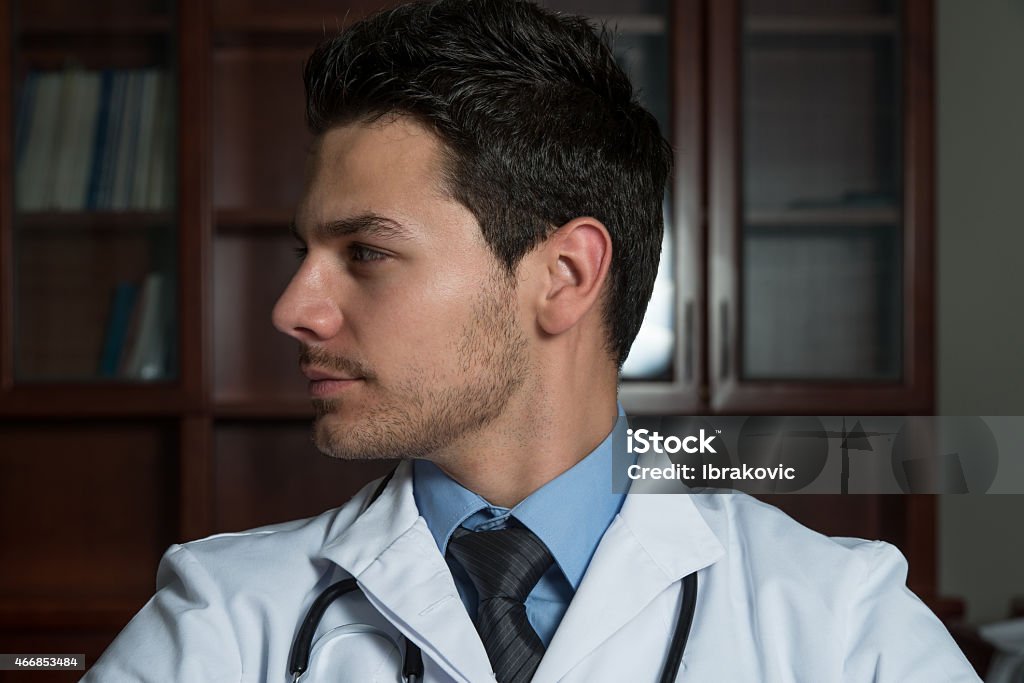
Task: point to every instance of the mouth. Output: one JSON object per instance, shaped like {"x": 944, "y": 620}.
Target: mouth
{"x": 324, "y": 384}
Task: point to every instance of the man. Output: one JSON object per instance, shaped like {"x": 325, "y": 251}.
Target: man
{"x": 479, "y": 237}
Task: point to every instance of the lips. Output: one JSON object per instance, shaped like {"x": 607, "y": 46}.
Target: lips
{"x": 327, "y": 388}
{"x": 325, "y": 384}
{"x": 317, "y": 375}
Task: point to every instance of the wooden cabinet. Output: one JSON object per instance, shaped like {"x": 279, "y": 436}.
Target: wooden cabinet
{"x": 797, "y": 276}
{"x": 820, "y": 175}
{"x": 819, "y": 232}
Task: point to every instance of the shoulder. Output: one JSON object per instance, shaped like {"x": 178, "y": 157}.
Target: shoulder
{"x": 223, "y": 598}
{"x": 263, "y": 555}
{"x": 755, "y": 521}
{"x": 848, "y": 596}
{"x": 786, "y": 553}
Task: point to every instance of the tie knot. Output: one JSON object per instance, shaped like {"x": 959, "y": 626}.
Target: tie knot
{"x": 504, "y": 563}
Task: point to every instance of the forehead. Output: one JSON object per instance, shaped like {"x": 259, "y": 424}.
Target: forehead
{"x": 391, "y": 166}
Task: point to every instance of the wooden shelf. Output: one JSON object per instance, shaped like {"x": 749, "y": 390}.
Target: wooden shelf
{"x": 267, "y": 26}
{"x": 271, "y": 24}
{"x": 946, "y": 609}
{"x": 323, "y": 26}
{"x": 248, "y": 220}
{"x": 36, "y": 221}
{"x": 113, "y": 25}
{"x": 635, "y": 24}
{"x": 319, "y": 26}
{"x": 822, "y": 26}
{"x": 824, "y": 217}
{"x": 95, "y": 399}
{"x": 296, "y": 408}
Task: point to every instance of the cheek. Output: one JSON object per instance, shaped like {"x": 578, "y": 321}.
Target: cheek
{"x": 414, "y": 321}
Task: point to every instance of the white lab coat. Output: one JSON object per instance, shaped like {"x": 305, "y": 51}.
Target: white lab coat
{"x": 776, "y": 601}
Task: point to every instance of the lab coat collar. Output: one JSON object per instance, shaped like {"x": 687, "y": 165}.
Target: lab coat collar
{"x": 392, "y": 554}
{"x": 655, "y": 541}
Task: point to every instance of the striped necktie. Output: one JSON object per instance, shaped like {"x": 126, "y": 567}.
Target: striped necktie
{"x": 504, "y": 566}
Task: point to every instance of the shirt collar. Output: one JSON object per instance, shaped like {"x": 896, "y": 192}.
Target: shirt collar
{"x": 569, "y": 514}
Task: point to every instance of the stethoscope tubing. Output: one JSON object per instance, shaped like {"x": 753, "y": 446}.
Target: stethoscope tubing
{"x": 298, "y": 662}
{"x": 682, "y": 630}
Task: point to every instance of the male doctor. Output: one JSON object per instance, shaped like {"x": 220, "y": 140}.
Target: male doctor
{"x": 479, "y": 237}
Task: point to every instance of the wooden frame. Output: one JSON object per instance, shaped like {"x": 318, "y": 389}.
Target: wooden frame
{"x": 684, "y": 394}
{"x": 730, "y": 393}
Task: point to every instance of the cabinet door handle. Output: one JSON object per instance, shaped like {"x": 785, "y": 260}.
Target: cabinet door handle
{"x": 723, "y": 358}
{"x": 688, "y": 341}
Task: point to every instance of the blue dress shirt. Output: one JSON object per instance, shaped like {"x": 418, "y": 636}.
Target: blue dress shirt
{"x": 569, "y": 514}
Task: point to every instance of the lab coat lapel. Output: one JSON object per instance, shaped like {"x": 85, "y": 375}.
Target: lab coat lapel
{"x": 390, "y": 551}
{"x": 653, "y": 543}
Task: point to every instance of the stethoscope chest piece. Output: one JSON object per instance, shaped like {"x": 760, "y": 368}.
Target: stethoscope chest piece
{"x": 354, "y": 652}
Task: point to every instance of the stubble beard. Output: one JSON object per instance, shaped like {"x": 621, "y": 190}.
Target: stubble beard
{"x": 422, "y": 416}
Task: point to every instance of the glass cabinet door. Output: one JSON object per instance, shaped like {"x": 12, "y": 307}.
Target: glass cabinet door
{"x": 641, "y": 48}
{"x": 814, "y": 217}
{"x": 822, "y": 189}
{"x": 661, "y": 372}
{"x": 94, "y": 237}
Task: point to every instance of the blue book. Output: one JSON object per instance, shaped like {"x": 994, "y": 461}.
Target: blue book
{"x": 115, "y": 115}
{"x": 121, "y": 307}
{"x": 99, "y": 140}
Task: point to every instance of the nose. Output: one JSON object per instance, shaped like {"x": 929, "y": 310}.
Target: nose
{"x": 306, "y": 309}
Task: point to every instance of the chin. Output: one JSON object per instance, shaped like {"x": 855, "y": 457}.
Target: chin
{"x": 340, "y": 435}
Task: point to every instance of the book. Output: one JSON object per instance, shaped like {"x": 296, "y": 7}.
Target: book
{"x": 85, "y": 136}
{"x": 127, "y": 142}
{"x": 147, "y": 132}
{"x": 38, "y": 154}
{"x": 99, "y": 140}
{"x": 110, "y": 152}
{"x": 78, "y": 124}
{"x": 147, "y": 358}
{"x": 161, "y": 169}
{"x": 121, "y": 307}
{"x": 57, "y": 178}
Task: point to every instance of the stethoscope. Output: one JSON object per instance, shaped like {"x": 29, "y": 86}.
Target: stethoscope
{"x": 412, "y": 663}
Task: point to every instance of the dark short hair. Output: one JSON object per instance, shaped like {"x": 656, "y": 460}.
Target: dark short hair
{"x": 539, "y": 125}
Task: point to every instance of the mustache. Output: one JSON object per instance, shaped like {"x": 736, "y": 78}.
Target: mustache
{"x": 319, "y": 358}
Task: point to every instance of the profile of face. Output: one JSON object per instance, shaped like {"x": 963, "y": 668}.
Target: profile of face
{"x": 410, "y": 330}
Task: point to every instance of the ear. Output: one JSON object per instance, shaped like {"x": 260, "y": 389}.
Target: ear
{"x": 576, "y": 259}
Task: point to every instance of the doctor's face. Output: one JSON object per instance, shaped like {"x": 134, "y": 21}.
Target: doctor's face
{"x": 409, "y": 329}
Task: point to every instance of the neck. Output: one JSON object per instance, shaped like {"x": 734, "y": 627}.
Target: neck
{"x": 544, "y": 431}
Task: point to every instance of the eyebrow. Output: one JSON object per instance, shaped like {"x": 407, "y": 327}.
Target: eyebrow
{"x": 364, "y": 225}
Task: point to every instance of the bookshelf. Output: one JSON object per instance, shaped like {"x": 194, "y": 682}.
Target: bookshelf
{"x": 92, "y": 223}
{"x": 219, "y": 440}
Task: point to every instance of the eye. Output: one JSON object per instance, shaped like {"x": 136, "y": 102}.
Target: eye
{"x": 362, "y": 254}
{"x": 301, "y": 251}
